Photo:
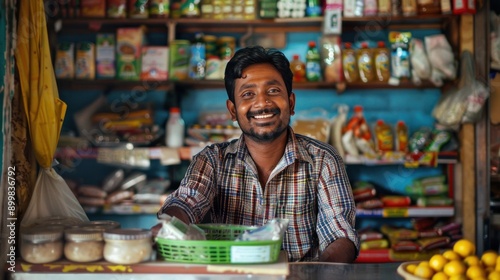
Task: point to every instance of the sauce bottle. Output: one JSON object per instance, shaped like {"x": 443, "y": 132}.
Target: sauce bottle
{"x": 349, "y": 63}
{"x": 381, "y": 58}
{"x": 401, "y": 137}
{"x": 365, "y": 63}
{"x": 298, "y": 68}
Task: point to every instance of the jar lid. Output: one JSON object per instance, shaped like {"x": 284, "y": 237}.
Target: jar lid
{"x": 83, "y": 234}
{"x": 40, "y": 234}
{"x": 106, "y": 224}
{"x": 127, "y": 234}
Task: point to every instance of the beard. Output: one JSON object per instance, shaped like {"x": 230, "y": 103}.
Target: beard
{"x": 268, "y": 136}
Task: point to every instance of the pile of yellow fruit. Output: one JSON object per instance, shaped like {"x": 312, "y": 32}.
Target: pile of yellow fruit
{"x": 461, "y": 262}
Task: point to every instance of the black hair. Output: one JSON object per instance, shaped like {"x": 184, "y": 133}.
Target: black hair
{"x": 254, "y": 55}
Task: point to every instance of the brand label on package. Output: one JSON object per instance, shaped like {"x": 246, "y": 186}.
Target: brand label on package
{"x": 250, "y": 254}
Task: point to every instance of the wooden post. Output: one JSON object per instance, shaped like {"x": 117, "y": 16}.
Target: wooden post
{"x": 467, "y": 149}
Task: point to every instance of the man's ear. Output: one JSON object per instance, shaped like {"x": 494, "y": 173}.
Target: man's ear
{"x": 232, "y": 109}
{"x": 291, "y": 100}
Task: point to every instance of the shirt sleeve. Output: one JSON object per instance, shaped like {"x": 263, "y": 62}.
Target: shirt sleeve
{"x": 336, "y": 207}
{"x": 196, "y": 190}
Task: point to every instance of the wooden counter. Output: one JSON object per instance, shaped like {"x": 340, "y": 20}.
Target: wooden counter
{"x": 161, "y": 270}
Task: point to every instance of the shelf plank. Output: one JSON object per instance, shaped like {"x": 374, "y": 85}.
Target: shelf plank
{"x": 406, "y": 212}
{"x": 109, "y": 84}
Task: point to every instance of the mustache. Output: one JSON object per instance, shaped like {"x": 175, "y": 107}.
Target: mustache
{"x": 274, "y": 111}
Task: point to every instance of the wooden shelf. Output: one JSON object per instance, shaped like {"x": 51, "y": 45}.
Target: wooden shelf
{"x": 259, "y": 25}
{"x": 407, "y": 212}
{"x": 110, "y": 84}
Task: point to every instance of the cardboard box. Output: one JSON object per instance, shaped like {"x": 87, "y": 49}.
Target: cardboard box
{"x": 105, "y": 56}
{"x": 128, "y": 52}
{"x": 65, "y": 61}
{"x": 154, "y": 63}
{"x": 85, "y": 61}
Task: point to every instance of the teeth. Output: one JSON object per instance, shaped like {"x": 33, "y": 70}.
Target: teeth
{"x": 263, "y": 116}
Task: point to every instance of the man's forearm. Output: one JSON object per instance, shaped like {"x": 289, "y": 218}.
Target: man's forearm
{"x": 341, "y": 250}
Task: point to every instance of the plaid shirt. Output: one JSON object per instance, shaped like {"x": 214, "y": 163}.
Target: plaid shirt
{"x": 309, "y": 186}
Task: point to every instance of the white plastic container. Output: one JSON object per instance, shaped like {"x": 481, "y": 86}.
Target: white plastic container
{"x": 175, "y": 129}
{"x": 83, "y": 245}
{"x": 127, "y": 246}
{"x": 42, "y": 244}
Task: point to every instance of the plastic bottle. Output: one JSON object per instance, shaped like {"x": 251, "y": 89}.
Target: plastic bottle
{"x": 175, "y": 129}
{"x": 298, "y": 68}
{"x": 313, "y": 8}
{"x": 365, "y": 63}
{"x": 349, "y": 63}
{"x": 381, "y": 57}
{"x": 197, "y": 60}
{"x": 384, "y": 140}
{"x": 313, "y": 63}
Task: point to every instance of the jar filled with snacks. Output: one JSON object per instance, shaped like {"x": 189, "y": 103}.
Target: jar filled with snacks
{"x": 83, "y": 245}
{"x": 42, "y": 244}
{"x": 127, "y": 246}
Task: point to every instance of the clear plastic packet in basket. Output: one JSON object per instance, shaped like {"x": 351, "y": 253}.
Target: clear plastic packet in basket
{"x": 175, "y": 229}
{"x": 273, "y": 230}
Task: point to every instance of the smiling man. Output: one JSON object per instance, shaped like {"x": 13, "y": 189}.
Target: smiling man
{"x": 270, "y": 172}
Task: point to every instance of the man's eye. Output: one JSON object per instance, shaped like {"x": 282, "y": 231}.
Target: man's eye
{"x": 274, "y": 90}
{"x": 247, "y": 94}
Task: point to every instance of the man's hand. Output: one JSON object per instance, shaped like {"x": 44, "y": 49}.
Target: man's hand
{"x": 173, "y": 212}
{"x": 341, "y": 250}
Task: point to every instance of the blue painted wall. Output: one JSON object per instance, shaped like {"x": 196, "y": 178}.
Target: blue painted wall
{"x": 413, "y": 106}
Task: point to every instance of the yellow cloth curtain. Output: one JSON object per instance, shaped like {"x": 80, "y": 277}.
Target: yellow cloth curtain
{"x": 44, "y": 110}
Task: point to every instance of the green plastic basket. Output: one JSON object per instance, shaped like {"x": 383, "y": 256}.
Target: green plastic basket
{"x": 219, "y": 248}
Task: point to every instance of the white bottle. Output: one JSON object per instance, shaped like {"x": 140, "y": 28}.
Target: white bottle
{"x": 175, "y": 129}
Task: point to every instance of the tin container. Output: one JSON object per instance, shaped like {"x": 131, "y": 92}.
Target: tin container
{"x": 226, "y": 46}
{"x": 179, "y": 59}
{"x": 210, "y": 46}
{"x": 159, "y": 8}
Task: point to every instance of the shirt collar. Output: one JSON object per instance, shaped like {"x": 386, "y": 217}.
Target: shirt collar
{"x": 293, "y": 150}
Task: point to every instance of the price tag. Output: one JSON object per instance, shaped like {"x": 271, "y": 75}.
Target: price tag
{"x": 395, "y": 212}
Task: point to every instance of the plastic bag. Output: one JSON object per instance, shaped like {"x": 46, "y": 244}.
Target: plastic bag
{"x": 52, "y": 198}
{"x": 463, "y": 104}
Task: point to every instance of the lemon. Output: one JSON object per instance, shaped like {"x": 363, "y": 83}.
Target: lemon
{"x": 475, "y": 271}
{"x": 494, "y": 275}
{"x": 458, "y": 277}
{"x": 472, "y": 260}
{"x": 411, "y": 268}
{"x": 440, "y": 276}
{"x": 464, "y": 248}
{"x": 437, "y": 262}
{"x": 451, "y": 255}
{"x": 489, "y": 258}
{"x": 454, "y": 267}
{"x": 424, "y": 271}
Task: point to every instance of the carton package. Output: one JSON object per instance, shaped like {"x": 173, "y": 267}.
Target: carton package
{"x": 93, "y": 8}
{"x": 154, "y": 63}
{"x": 128, "y": 52}
{"x": 65, "y": 61}
{"x": 105, "y": 56}
{"x": 85, "y": 61}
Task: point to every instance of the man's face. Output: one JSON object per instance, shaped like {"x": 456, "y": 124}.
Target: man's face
{"x": 262, "y": 106}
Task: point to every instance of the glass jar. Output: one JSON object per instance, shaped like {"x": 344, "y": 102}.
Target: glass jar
{"x": 127, "y": 246}
{"x": 42, "y": 244}
{"x": 83, "y": 245}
